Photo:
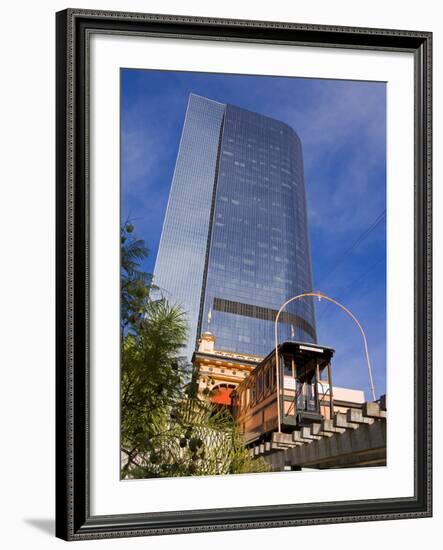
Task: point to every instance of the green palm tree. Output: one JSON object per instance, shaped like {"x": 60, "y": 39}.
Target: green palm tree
{"x": 135, "y": 284}
{"x": 165, "y": 429}
{"x": 152, "y": 376}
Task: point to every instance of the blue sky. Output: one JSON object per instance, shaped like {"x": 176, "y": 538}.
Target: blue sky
{"x": 342, "y": 126}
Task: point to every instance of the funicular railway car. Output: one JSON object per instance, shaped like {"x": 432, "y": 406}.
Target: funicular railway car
{"x": 304, "y": 392}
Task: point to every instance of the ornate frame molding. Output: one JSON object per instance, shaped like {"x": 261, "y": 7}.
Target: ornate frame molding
{"x": 74, "y": 28}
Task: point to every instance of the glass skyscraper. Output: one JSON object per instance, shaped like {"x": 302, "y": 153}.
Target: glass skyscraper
{"x": 235, "y": 244}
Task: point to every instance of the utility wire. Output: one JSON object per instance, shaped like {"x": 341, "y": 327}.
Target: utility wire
{"x": 363, "y": 276}
{"x": 356, "y": 243}
{"x": 347, "y": 288}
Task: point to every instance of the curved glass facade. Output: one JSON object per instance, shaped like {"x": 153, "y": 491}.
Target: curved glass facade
{"x": 180, "y": 261}
{"x": 235, "y": 241}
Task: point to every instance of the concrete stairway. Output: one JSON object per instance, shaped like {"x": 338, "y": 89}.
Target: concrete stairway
{"x": 343, "y": 434}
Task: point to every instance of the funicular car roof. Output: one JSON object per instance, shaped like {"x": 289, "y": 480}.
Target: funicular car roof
{"x": 303, "y": 351}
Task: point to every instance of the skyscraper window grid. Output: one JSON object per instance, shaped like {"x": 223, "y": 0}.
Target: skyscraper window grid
{"x": 185, "y": 230}
{"x": 259, "y": 245}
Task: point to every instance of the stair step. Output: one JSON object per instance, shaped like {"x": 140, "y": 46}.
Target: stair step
{"x": 328, "y": 426}
{"x": 340, "y": 421}
{"x": 356, "y": 415}
{"x": 373, "y": 410}
{"x": 307, "y": 434}
{"x": 298, "y": 438}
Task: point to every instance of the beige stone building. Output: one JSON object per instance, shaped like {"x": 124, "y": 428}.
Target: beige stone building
{"x": 219, "y": 372}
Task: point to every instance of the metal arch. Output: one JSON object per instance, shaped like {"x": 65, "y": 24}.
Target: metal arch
{"x": 346, "y": 310}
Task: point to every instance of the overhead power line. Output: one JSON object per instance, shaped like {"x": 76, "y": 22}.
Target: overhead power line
{"x": 354, "y": 245}
{"x": 348, "y": 288}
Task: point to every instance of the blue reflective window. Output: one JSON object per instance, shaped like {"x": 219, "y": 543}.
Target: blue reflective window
{"x": 252, "y": 167}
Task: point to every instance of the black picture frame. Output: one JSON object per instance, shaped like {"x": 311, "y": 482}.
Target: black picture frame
{"x": 74, "y": 521}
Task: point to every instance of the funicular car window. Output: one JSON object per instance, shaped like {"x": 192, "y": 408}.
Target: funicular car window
{"x": 267, "y": 385}
{"x": 287, "y": 362}
{"x": 259, "y": 385}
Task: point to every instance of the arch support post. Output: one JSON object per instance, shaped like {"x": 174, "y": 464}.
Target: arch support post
{"x": 320, "y": 296}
